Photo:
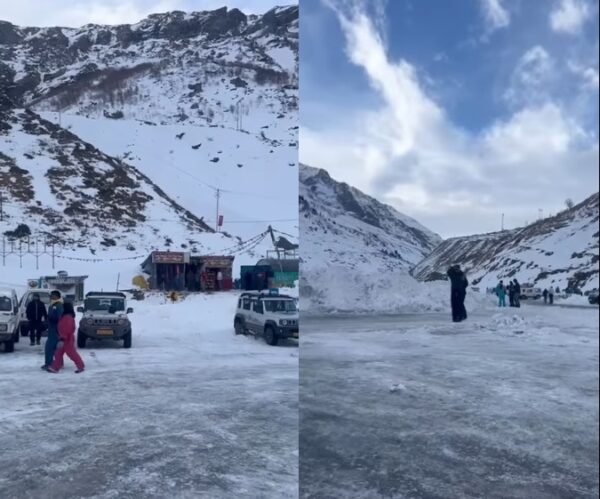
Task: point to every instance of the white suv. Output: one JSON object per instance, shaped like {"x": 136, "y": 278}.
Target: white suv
{"x": 9, "y": 308}
{"x": 267, "y": 314}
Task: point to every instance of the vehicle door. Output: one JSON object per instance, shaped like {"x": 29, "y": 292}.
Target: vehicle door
{"x": 245, "y": 310}
{"x": 23, "y": 306}
{"x": 15, "y": 310}
{"x": 258, "y": 312}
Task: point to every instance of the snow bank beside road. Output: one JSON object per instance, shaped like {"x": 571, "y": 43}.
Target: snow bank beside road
{"x": 334, "y": 289}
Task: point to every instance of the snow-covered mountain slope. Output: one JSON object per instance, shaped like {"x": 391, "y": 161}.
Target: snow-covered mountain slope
{"x": 58, "y": 185}
{"x": 561, "y": 250}
{"x": 341, "y": 225}
{"x": 258, "y": 181}
{"x": 185, "y": 103}
{"x": 353, "y": 246}
{"x": 201, "y": 67}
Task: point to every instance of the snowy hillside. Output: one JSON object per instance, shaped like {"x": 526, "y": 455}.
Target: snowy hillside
{"x": 115, "y": 139}
{"x": 561, "y": 250}
{"x": 355, "y": 248}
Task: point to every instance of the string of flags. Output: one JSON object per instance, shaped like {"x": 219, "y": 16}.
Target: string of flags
{"x": 137, "y": 257}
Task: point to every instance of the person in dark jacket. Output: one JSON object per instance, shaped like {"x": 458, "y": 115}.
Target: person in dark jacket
{"x": 511, "y": 294}
{"x": 458, "y": 293}
{"x": 55, "y": 312}
{"x": 517, "y": 298}
{"x": 545, "y": 295}
{"x": 36, "y": 317}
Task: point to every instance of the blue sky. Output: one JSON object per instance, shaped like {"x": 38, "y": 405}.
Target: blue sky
{"x": 453, "y": 112}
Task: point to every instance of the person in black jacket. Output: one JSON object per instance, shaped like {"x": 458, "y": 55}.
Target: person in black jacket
{"x": 517, "y": 298}
{"x": 458, "y": 293}
{"x": 36, "y": 317}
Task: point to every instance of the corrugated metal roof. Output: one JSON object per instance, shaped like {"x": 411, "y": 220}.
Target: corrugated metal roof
{"x": 283, "y": 265}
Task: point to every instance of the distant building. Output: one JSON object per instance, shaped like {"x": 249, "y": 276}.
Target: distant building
{"x": 71, "y": 287}
{"x": 182, "y": 271}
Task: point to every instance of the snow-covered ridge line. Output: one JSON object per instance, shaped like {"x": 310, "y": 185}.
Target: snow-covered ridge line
{"x": 561, "y": 251}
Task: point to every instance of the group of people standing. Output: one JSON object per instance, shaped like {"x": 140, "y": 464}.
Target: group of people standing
{"x": 59, "y": 319}
{"x": 513, "y": 290}
{"x": 548, "y": 294}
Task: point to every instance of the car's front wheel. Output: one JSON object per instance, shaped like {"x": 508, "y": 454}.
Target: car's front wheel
{"x": 271, "y": 336}
{"x": 81, "y": 339}
{"x": 127, "y": 340}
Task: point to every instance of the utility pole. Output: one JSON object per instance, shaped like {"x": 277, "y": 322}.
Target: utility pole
{"x": 502, "y": 224}
{"x": 540, "y": 213}
{"x": 1, "y": 210}
{"x": 217, "y": 219}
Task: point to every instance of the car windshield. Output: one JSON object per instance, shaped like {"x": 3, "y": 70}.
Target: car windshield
{"x": 280, "y": 305}
{"x": 105, "y": 303}
{"x": 5, "y": 304}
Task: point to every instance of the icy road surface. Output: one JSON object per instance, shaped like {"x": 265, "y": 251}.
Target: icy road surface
{"x": 189, "y": 411}
{"x": 504, "y": 405}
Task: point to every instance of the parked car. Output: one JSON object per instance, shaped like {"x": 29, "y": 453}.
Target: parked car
{"x": 25, "y": 301}
{"x": 530, "y": 292}
{"x": 104, "y": 317}
{"x": 593, "y": 298}
{"x": 267, "y": 314}
{"x": 573, "y": 291}
{"x": 9, "y": 312}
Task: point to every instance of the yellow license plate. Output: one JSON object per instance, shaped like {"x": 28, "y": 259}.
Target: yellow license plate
{"x": 295, "y": 335}
{"x": 105, "y": 332}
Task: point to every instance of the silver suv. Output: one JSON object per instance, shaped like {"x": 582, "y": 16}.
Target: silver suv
{"x": 104, "y": 317}
{"x": 267, "y": 314}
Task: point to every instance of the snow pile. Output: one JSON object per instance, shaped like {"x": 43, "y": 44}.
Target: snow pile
{"x": 573, "y": 300}
{"x": 501, "y": 320}
{"x": 335, "y": 289}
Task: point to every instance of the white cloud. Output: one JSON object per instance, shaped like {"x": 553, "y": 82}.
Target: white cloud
{"x": 409, "y": 153}
{"x": 569, "y": 16}
{"x": 495, "y": 14}
{"x": 588, "y": 75}
{"x": 530, "y": 81}
{"x": 75, "y": 13}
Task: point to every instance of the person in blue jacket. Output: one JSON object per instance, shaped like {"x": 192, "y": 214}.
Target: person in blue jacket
{"x": 501, "y": 294}
{"x": 55, "y": 312}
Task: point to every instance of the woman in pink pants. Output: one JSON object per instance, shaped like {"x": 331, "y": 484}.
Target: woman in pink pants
{"x": 66, "y": 333}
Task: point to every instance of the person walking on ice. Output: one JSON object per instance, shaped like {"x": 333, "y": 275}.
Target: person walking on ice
{"x": 66, "y": 331}
{"x": 545, "y": 295}
{"x": 501, "y": 294}
{"x": 55, "y": 312}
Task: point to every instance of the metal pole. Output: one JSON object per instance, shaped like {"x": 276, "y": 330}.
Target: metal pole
{"x": 1, "y": 210}
{"x": 52, "y": 255}
{"x": 3, "y": 251}
{"x": 217, "y": 220}
{"x": 37, "y": 255}
{"x": 502, "y": 226}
